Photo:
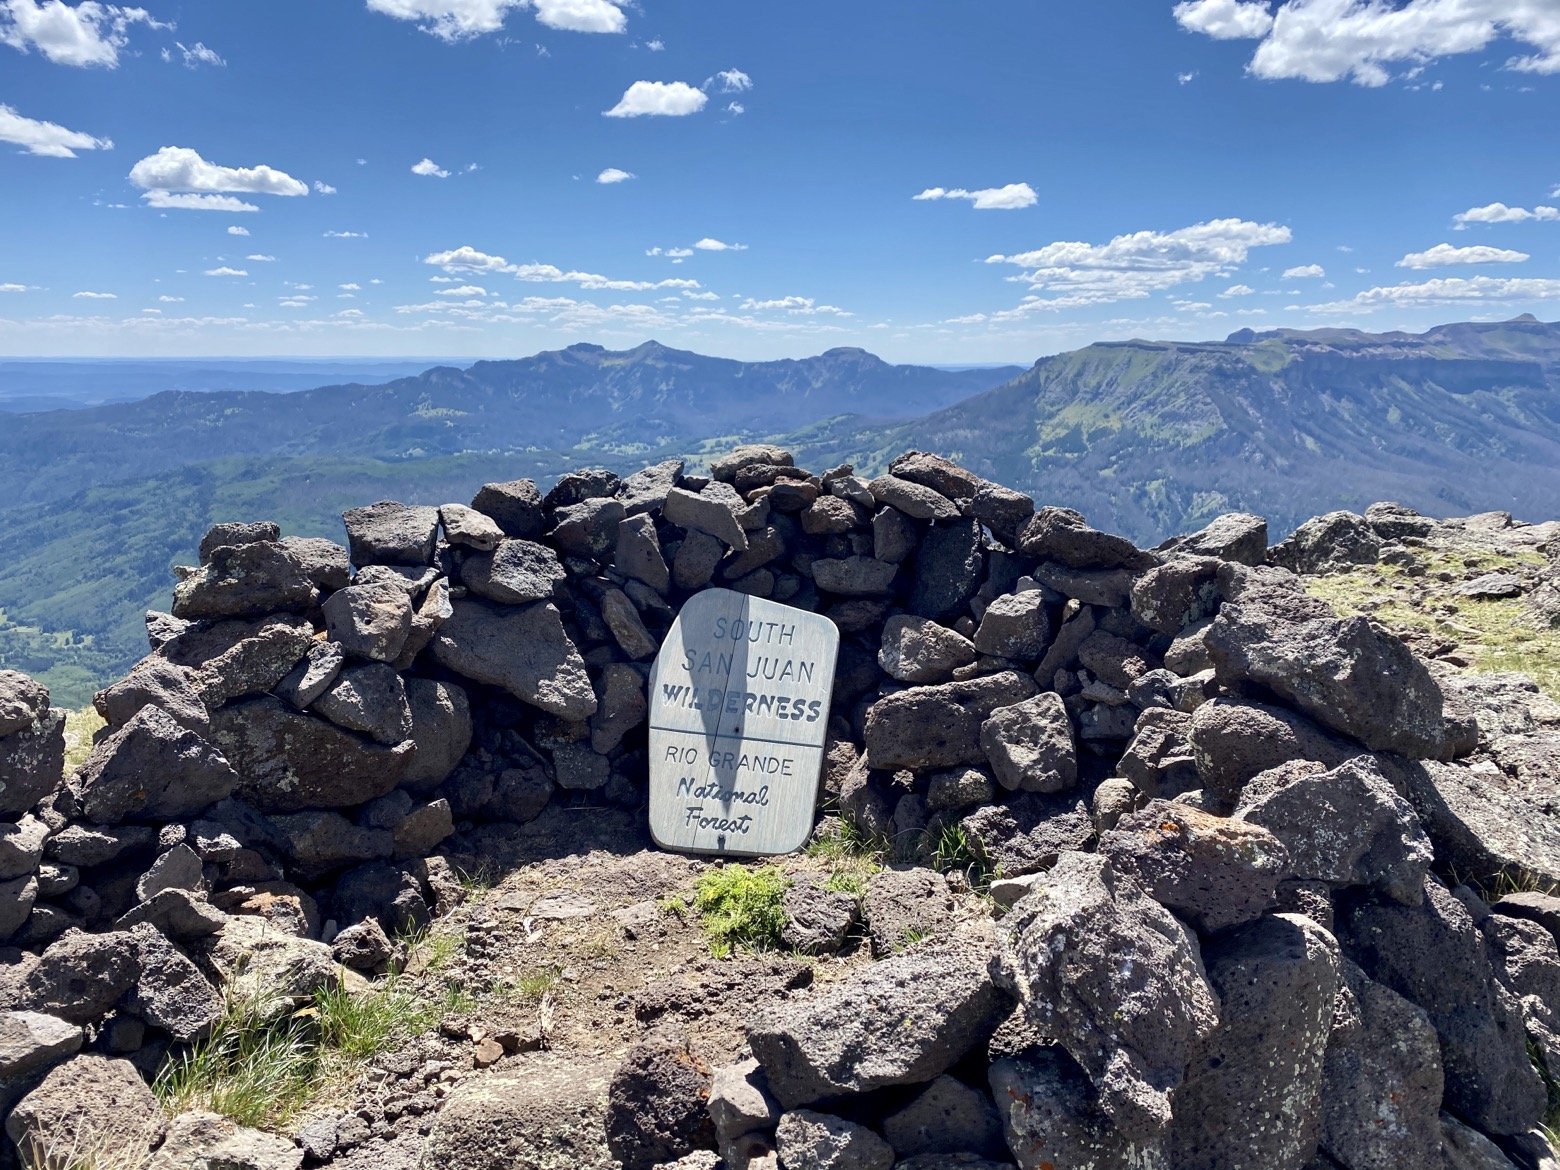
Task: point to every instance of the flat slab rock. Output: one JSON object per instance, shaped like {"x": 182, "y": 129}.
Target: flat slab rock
{"x": 525, "y": 650}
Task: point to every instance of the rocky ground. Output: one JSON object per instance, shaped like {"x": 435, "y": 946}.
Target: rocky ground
{"x": 1128, "y": 858}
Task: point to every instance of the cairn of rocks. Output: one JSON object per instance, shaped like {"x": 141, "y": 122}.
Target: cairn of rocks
{"x": 1227, "y": 827}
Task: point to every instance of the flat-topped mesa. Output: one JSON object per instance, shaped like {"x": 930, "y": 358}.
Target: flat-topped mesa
{"x": 1218, "y": 768}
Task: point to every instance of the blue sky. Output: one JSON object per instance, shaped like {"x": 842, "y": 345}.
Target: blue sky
{"x": 400, "y": 177}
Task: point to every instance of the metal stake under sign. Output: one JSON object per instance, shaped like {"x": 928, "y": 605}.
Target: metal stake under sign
{"x": 739, "y": 711}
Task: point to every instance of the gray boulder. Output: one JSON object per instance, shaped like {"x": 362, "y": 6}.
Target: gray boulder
{"x": 819, "y": 1141}
{"x": 289, "y": 761}
{"x": 621, "y": 707}
{"x": 32, "y": 763}
{"x": 1434, "y": 955}
{"x": 915, "y": 500}
{"x": 17, "y": 899}
{"x": 470, "y": 528}
{"x": 152, "y": 769}
{"x": 550, "y": 1113}
{"x": 1346, "y": 827}
{"x": 1482, "y": 820}
{"x": 1176, "y": 594}
{"x": 1028, "y": 833}
{"x": 323, "y": 562}
{"x": 170, "y": 992}
{"x": 23, "y": 702}
{"x": 903, "y": 906}
{"x": 517, "y": 573}
{"x": 855, "y": 576}
{"x": 318, "y": 843}
{"x": 90, "y": 1103}
{"x": 1214, "y": 872}
{"x": 1002, "y": 510}
{"x": 818, "y": 921}
{"x": 155, "y": 682}
{"x": 244, "y": 581}
{"x": 898, "y": 1022}
{"x": 639, "y": 555}
{"x": 710, "y": 511}
{"x": 1065, "y": 947}
{"x": 939, "y": 726}
{"x": 657, "y": 1104}
{"x": 388, "y": 533}
{"x": 516, "y": 506}
{"x": 310, "y": 678}
{"x": 208, "y": 1141}
{"x": 526, "y": 651}
{"x": 220, "y": 535}
{"x": 1252, "y": 1096}
{"x": 1346, "y": 673}
{"x": 1232, "y": 741}
{"x": 1395, "y": 521}
{"x": 1062, "y": 535}
{"x": 31, "y": 1043}
{"x": 1052, "y": 1118}
{"x": 1015, "y": 626}
{"x": 1030, "y": 745}
{"x": 441, "y": 730}
{"x": 21, "y": 847}
{"x": 80, "y": 977}
{"x": 1463, "y": 1148}
{"x": 919, "y": 650}
{"x": 1328, "y": 544}
{"x": 646, "y": 489}
{"x": 370, "y": 621}
{"x": 257, "y": 964}
{"x": 1235, "y": 536}
{"x": 1158, "y": 760}
{"x": 948, "y": 1117}
{"x": 1381, "y": 1080}
{"x": 369, "y": 698}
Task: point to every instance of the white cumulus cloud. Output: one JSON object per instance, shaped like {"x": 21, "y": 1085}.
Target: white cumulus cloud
{"x": 13, "y": 288}
{"x": 46, "y": 138}
{"x": 237, "y": 231}
{"x": 187, "y": 201}
{"x": 1137, "y": 265}
{"x": 1362, "y": 40}
{"x": 1012, "y": 197}
{"x": 260, "y": 258}
{"x": 464, "y": 290}
{"x": 430, "y": 169}
{"x": 1450, "y": 290}
{"x": 458, "y": 20}
{"x": 731, "y": 81}
{"x": 178, "y": 168}
{"x": 197, "y": 55}
{"x": 667, "y": 99}
{"x": 708, "y": 244}
{"x": 86, "y": 34}
{"x": 226, "y": 271}
{"x": 615, "y": 175}
{"x": 1305, "y": 272}
{"x": 1500, "y": 213}
{"x": 323, "y": 188}
{"x": 1238, "y": 290}
{"x": 1444, "y": 255}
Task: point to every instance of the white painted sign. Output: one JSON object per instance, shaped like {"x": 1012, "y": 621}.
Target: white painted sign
{"x": 739, "y": 710}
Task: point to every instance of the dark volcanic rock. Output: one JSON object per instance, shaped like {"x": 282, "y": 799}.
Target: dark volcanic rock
{"x": 388, "y": 533}
{"x": 1252, "y": 1097}
{"x": 1215, "y": 872}
{"x": 23, "y": 701}
{"x": 369, "y": 698}
{"x": 1062, "y": 535}
{"x": 1052, "y": 1116}
{"x": 1234, "y": 741}
{"x": 526, "y": 651}
{"x": 1030, "y": 745}
{"x": 244, "y": 580}
{"x": 1433, "y": 955}
{"x": 516, "y": 506}
{"x": 1065, "y": 947}
{"x": 32, "y": 763}
{"x": 289, "y": 761}
{"x": 152, "y": 769}
{"x": 1028, "y": 833}
{"x": 657, "y": 1105}
{"x": 939, "y": 726}
{"x": 948, "y": 569}
{"x": 370, "y": 621}
{"x": 898, "y": 1022}
{"x": 520, "y": 571}
{"x": 1346, "y": 673}
{"x": 220, "y": 535}
{"x": 918, "y": 650}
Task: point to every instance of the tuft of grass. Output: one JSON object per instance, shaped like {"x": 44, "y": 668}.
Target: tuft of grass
{"x": 742, "y": 907}
{"x": 80, "y": 726}
{"x": 262, "y": 1072}
{"x": 531, "y": 987}
{"x": 953, "y": 852}
{"x": 852, "y": 856}
{"x": 123, "y": 1145}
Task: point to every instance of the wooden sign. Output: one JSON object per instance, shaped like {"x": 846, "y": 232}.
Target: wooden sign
{"x": 739, "y": 709}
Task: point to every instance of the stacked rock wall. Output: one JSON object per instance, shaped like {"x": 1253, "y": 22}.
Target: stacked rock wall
{"x": 1215, "y": 806}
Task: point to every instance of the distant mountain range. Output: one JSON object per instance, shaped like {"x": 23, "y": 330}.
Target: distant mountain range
{"x": 1148, "y": 438}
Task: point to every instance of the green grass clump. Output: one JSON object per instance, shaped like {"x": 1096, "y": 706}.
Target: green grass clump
{"x": 852, "y": 855}
{"x": 952, "y": 851}
{"x": 739, "y": 906}
{"x": 262, "y": 1072}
